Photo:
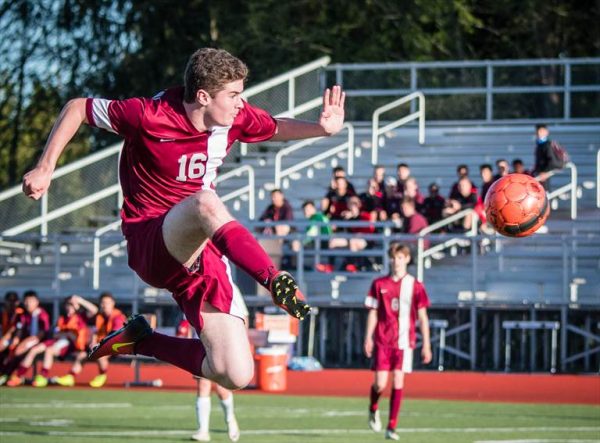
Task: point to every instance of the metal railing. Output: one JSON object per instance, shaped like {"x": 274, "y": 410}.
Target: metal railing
{"x": 423, "y": 254}
{"x": 98, "y": 253}
{"x": 347, "y": 145}
{"x": 489, "y": 79}
{"x": 570, "y": 188}
{"x": 289, "y": 79}
{"x": 249, "y": 189}
{"x": 47, "y": 216}
{"x": 419, "y": 114}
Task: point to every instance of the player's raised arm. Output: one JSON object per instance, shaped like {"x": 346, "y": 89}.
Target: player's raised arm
{"x": 37, "y": 181}
{"x": 330, "y": 121}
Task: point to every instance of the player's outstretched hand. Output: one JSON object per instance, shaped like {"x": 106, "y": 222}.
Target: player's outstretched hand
{"x": 332, "y": 117}
{"x": 36, "y": 182}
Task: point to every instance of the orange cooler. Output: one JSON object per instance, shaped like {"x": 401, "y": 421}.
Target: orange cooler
{"x": 271, "y": 369}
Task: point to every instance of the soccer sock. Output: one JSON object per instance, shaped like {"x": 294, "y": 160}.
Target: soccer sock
{"x": 374, "y": 399}
{"x": 185, "y": 353}
{"x": 227, "y": 406}
{"x": 203, "y": 413}
{"x": 44, "y": 372}
{"x": 21, "y": 370}
{"x": 395, "y": 401}
{"x": 239, "y": 245}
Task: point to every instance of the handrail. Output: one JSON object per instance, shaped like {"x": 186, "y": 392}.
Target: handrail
{"x": 73, "y": 166}
{"x": 376, "y": 130}
{"x": 598, "y": 178}
{"x": 98, "y": 254}
{"x": 349, "y": 145}
{"x": 250, "y": 188}
{"x": 422, "y": 253}
{"x": 71, "y": 207}
{"x": 568, "y": 188}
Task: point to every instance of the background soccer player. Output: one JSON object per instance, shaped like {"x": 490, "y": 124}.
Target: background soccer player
{"x": 179, "y": 234}
{"x": 395, "y": 302}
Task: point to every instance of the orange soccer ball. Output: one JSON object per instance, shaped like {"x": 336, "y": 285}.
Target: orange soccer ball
{"x": 516, "y": 205}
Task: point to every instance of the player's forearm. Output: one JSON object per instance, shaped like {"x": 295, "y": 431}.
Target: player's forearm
{"x": 424, "y": 326}
{"x": 371, "y": 324}
{"x": 292, "y": 129}
{"x": 68, "y": 122}
{"x": 91, "y": 308}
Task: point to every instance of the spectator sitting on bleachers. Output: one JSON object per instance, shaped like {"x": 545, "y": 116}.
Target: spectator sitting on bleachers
{"x": 518, "y": 167}
{"x": 464, "y": 200}
{"x": 412, "y": 221}
{"x": 106, "y": 320}
{"x": 502, "y": 168}
{"x": 402, "y": 174}
{"x": 379, "y": 177}
{"x": 356, "y": 243}
{"x": 8, "y": 323}
{"x": 32, "y": 326}
{"x": 411, "y": 190}
{"x": 337, "y": 172}
{"x": 434, "y": 204}
{"x": 319, "y": 226}
{"x": 279, "y": 210}
{"x": 372, "y": 200}
{"x": 336, "y": 201}
{"x": 392, "y": 201}
{"x": 71, "y": 335}
{"x": 461, "y": 171}
{"x": 487, "y": 178}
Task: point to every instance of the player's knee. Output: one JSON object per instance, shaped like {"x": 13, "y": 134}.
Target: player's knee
{"x": 236, "y": 378}
{"x": 205, "y": 203}
{"x": 379, "y": 387}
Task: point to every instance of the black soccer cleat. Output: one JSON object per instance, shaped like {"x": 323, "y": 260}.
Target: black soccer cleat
{"x": 287, "y": 295}
{"x": 122, "y": 341}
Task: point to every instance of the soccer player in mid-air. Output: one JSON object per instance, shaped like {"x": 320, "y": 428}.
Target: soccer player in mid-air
{"x": 395, "y": 302}
{"x": 179, "y": 234}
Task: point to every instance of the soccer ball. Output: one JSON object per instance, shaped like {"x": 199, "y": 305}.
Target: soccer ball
{"x": 516, "y": 205}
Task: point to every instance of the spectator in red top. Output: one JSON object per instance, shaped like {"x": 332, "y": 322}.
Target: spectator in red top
{"x": 279, "y": 210}
{"x": 32, "y": 327}
{"x": 337, "y": 172}
{"x": 434, "y": 204}
{"x": 8, "y": 324}
{"x": 413, "y": 222}
{"x": 487, "y": 178}
{"x": 71, "y": 335}
{"x": 461, "y": 171}
{"x": 336, "y": 201}
{"x": 356, "y": 243}
{"x": 379, "y": 177}
{"x": 373, "y": 202}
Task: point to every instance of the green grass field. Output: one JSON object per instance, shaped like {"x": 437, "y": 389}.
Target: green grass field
{"x": 50, "y": 415}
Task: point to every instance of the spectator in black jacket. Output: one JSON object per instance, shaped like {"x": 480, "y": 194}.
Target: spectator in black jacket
{"x": 279, "y": 210}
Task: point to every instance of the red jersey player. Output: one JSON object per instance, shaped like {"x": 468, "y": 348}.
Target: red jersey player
{"x": 179, "y": 233}
{"x": 395, "y": 302}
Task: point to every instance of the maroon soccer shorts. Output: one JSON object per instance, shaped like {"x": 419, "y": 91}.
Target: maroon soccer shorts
{"x": 386, "y": 358}
{"x": 209, "y": 281}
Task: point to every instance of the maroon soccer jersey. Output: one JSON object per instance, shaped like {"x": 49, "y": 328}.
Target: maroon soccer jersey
{"x": 396, "y": 314}
{"x": 165, "y": 158}
{"x": 33, "y": 324}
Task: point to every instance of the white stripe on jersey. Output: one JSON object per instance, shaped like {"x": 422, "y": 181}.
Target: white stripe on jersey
{"x": 238, "y": 307}
{"x": 406, "y": 296}
{"x": 371, "y": 302}
{"x": 217, "y": 150}
{"x": 100, "y": 114}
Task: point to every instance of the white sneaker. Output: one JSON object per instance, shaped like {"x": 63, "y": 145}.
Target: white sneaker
{"x": 391, "y": 435}
{"x": 201, "y": 436}
{"x": 375, "y": 421}
{"x": 233, "y": 430}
